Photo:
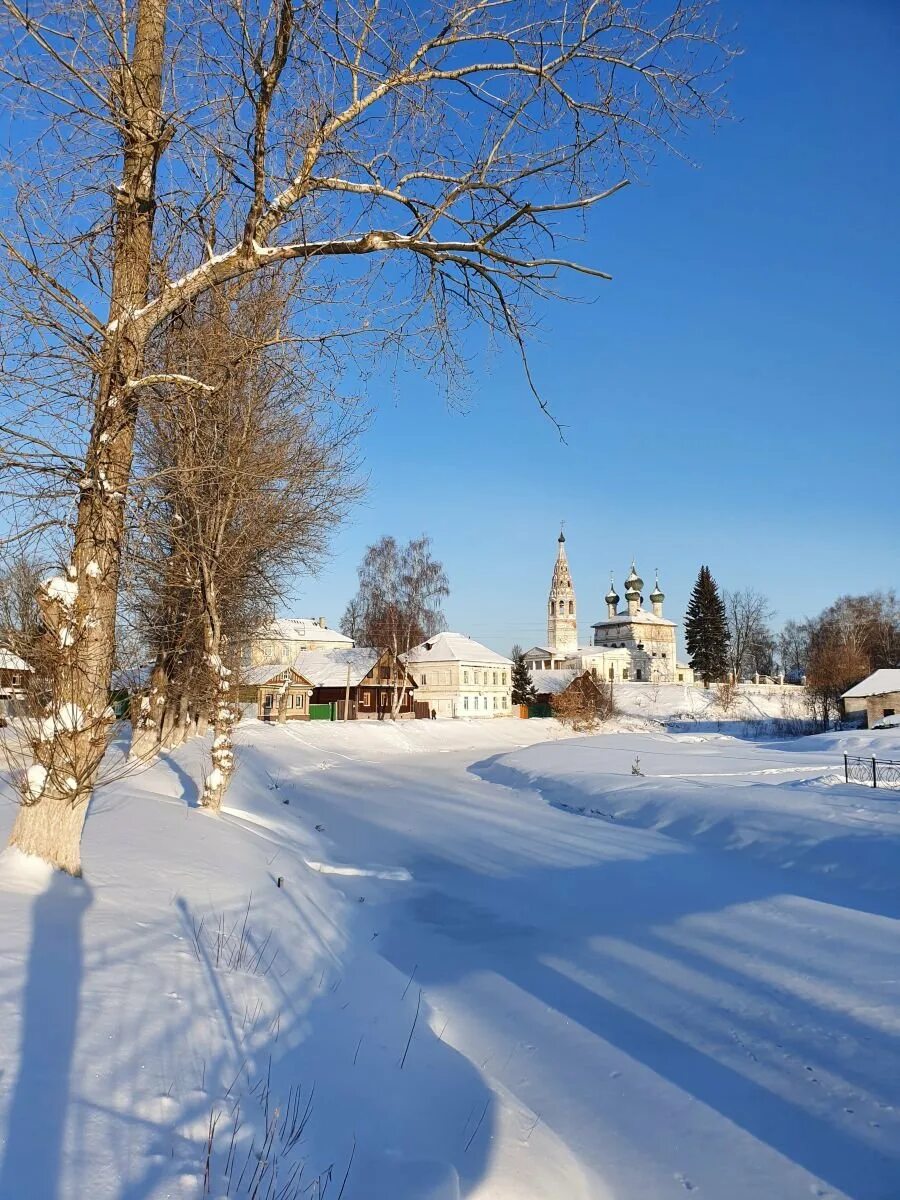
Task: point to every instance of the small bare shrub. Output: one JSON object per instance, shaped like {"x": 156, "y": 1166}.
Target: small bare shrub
{"x": 585, "y": 704}
{"x": 726, "y": 693}
{"x": 233, "y": 1168}
{"x": 236, "y": 948}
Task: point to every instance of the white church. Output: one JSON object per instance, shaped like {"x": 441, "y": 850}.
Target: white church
{"x": 634, "y": 645}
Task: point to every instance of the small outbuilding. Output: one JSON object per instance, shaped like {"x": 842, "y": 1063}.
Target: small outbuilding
{"x": 878, "y": 696}
{"x": 550, "y": 683}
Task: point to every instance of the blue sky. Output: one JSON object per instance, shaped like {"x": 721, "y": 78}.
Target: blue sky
{"x": 731, "y": 398}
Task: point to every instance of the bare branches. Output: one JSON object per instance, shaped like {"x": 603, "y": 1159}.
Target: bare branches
{"x": 422, "y": 170}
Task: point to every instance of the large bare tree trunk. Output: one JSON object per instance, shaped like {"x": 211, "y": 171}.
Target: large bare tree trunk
{"x": 50, "y": 820}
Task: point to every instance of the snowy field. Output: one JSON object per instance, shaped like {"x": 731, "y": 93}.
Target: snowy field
{"x": 500, "y": 966}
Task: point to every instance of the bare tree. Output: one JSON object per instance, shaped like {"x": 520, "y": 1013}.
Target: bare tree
{"x": 398, "y": 602}
{"x": 245, "y": 480}
{"x": 450, "y": 146}
{"x": 20, "y": 617}
{"x": 793, "y": 648}
{"x": 853, "y": 636}
{"x": 750, "y": 640}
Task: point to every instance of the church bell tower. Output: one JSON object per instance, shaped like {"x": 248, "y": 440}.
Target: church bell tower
{"x": 562, "y": 622}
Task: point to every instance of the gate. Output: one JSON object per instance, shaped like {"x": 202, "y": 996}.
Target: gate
{"x": 321, "y": 712}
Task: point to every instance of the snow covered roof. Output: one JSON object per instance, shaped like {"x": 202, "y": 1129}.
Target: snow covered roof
{"x": 12, "y": 662}
{"x": 328, "y": 668}
{"x": 132, "y": 678}
{"x": 455, "y": 647}
{"x": 887, "y": 679}
{"x": 266, "y": 672}
{"x": 539, "y": 652}
{"x": 638, "y": 618}
{"x": 552, "y": 682}
{"x": 301, "y": 629}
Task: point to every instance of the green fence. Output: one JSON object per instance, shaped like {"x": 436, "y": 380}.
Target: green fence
{"x": 540, "y": 710}
{"x": 321, "y": 712}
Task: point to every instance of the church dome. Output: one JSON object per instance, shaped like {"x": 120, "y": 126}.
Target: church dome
{"x": 612, "y": 596}
{"x": 633, "y": 583}
{"x": 657, "y": 596}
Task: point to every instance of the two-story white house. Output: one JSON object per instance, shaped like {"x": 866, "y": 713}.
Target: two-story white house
{"x": 281, "y": 639}
{"x": 459, "y": 677}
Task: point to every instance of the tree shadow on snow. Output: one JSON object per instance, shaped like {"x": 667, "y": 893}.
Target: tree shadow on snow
{"x": 38, "y": 1110}
{"x": 591, "y": 939}
{"x": 393, "y": 1107}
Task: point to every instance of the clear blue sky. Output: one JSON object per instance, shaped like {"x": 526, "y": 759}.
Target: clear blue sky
{"x": 730, "y": 398}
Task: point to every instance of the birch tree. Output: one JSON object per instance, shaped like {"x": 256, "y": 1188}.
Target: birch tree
{"x": 397, "y": 606}
{"x": 421, "y": 166}
{"x": 750, "y": 641}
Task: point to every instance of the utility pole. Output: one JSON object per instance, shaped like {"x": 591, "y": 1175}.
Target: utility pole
{"x": 347, "y": 696}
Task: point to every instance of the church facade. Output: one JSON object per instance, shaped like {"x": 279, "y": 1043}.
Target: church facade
{"x": 635, "y": 645}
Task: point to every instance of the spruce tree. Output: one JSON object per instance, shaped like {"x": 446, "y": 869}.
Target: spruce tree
{"x": 522, "y": 686}
{"x": 706, "y": 629}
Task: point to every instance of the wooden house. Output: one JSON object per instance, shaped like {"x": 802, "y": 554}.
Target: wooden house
{"x": 14, "y": 672}
{"x": 365, "y": 677}
{"x": 280, "y": 693}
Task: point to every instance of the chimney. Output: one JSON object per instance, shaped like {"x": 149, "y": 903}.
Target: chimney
{"x": 322, "y": 624}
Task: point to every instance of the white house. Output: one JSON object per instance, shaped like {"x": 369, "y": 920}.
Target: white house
{"x": 460, "y": 677}
{"x": 281, "y": 639}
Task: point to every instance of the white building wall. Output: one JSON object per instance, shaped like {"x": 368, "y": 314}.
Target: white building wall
{"x": 455, "y": 689}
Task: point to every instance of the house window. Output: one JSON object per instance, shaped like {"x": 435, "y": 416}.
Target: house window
{"x": 571, "y": 607}
{"x": 424, "y": 681}
{"x": 465, "y": 676}
{"x": 624, "y": 672}
{"x": 366, "y": 700}
{"x": 495, "y": 679}
{"x": 495, "y": 704}
{"x": 681, "y": 679}
{"x": 504, "y": 679}
{"x": 504, "y": 701}
{"x": 465, "y": 701}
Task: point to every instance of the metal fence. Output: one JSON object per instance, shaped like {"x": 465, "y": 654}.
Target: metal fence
{"x": 873, "y": 772}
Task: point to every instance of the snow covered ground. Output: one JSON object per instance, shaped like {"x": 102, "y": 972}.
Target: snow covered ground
{"x": 499, "y": 966}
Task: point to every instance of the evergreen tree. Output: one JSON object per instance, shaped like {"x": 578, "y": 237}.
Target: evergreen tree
{"x": 706, "y": 629}
{"x": 522, "y": 687}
